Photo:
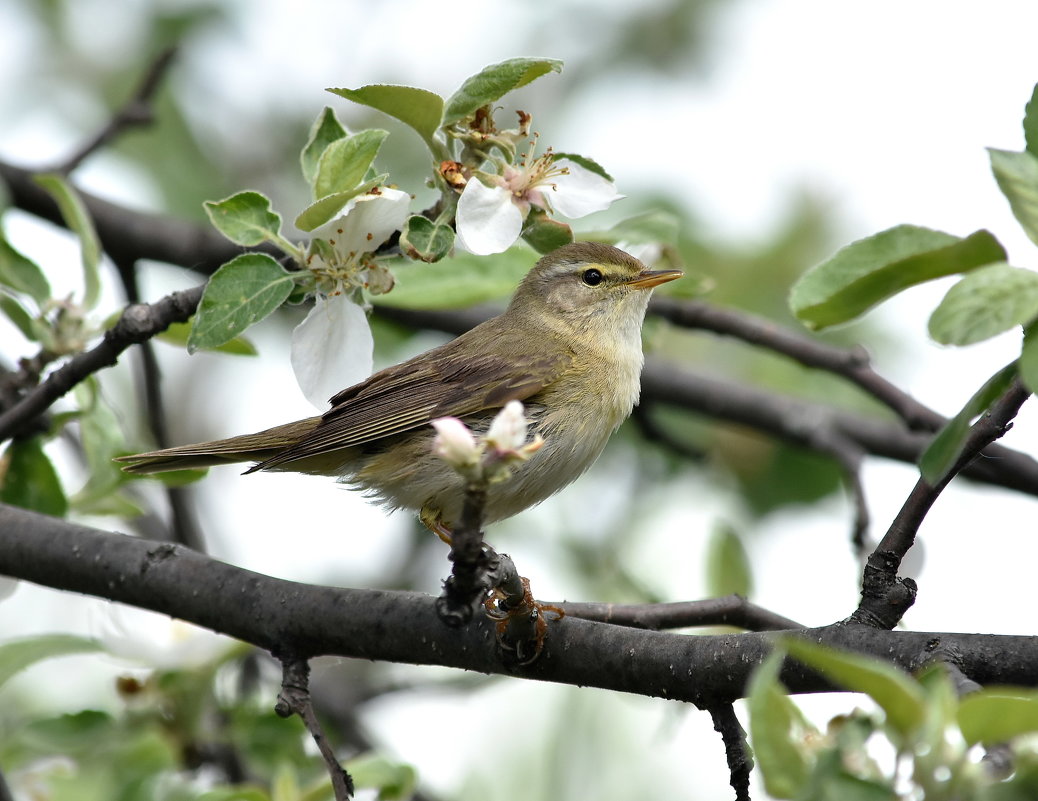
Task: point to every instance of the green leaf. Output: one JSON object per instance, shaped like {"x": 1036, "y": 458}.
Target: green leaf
{"x": 424, "y": 240}
{"x": 1028, "y": 362}
{"x": 393, "y": 780}
{"x": 997, "y": 715}
{"x": 463, "y": 280}
{"x": 17, "y": 655}
{"x": 102, "y": 440}
{"x": 325, "y": 130}
{"x": 1031, "y": 123}
{"x": 544, "y": 234}
{"x": 873, "y": 269}
{"x": 30, "y": 480}
{"x": 1017, "y": 177}
{"x": 179, "y": 333}
{"x": 727, "y": 564}
{"x": 345, "y": 161}
{"x": 900, "y": 697}
{"x": 944, "y": 449}
{"x": 22, "y": 274}
{"x": 242, "y": 292}
{"x": 985, "y": 303}
{"x": 17, "y": 314}
{"x": 586, "y": 163}
{"x": 776, "y": 726}
{"x": 244, "y": 218}
{"x": 420, "y": 109}
{"x": 493, "y": 83}
{"x": 78, "y": 220}
{"x": 327, "y": 208}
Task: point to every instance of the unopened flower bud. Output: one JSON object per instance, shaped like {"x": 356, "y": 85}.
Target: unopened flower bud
{"x": 507, "y": 431}
{"x": 454, "y": 443}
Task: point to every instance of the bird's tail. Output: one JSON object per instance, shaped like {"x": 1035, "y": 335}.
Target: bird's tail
{"x": 246, "y": 448}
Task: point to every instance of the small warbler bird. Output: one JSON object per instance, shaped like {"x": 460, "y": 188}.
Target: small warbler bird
{"x": 568, "y": 346}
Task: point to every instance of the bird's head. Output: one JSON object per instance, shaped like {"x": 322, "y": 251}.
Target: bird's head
{"x": 588, "y": 286}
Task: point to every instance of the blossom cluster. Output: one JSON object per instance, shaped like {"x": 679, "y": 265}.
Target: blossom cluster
{"x": 489, "y": 457}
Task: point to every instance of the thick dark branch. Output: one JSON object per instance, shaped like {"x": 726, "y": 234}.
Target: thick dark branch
{"x": 884, "y": 596}
{"x": 138, "y": 323}
{"x": 286, "y": 617}
{"x": 137, "y": 111}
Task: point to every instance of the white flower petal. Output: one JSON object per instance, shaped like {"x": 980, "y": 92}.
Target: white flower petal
{"x": 488, "y": 221}
{"x": 580, "y": 192}
{"x": 331, "y": 349}
{"x": 367, "y": 221}
{"x": 507, "y": 431}
{"x": 156, "y": 640}
{"x": 454, "y": 442}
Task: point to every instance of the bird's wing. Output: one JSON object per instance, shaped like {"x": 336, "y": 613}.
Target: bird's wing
{"x": 411, "y": 394}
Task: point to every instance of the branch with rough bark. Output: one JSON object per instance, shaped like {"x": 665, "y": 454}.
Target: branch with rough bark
{"x": 302, "y": 621}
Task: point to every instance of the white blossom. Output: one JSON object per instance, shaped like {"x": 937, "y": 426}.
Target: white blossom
{"x": 490, "y": 215}
{"x": 507, "y": 431}
{"x": 156, "y": 640}
{"x": 332, "y": 347}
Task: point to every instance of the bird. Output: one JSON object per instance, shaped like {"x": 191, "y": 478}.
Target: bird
{"x": 568, "y": 346}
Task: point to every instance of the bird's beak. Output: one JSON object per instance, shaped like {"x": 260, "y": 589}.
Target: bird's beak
{"x": 647, "y": 279}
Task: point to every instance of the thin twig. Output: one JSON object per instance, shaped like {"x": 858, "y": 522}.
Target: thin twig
{"x": 136, "y": 112}
{"x": 730, "y": 610}
{"x": 138, "y": 323}
{"x": 736, "y": 749}
{"x": 467, "y": 583}
{"x": 294, "y": 699}
{"x": 884, "y": 596}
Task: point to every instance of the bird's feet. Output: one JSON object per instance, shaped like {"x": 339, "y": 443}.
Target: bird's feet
{"x": 521, "y": 624}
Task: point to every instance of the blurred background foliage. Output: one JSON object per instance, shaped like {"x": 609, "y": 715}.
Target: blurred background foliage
{"x": 72, "y": 62}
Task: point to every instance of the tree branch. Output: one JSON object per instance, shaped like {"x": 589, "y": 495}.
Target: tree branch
{"x": 294, "y": 699}
{"x": 884, "y": 596}
{"x": 288, "y": 617}
{"x": 736, "y": 749}
{"x": 138, "y": 323}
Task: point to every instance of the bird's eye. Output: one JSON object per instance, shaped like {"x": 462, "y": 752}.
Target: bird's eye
{"x": 592, "y": 277}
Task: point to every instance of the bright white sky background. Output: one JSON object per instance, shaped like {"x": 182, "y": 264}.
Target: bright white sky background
{"x": 884, "y": 108}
